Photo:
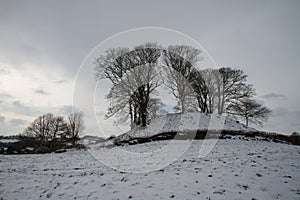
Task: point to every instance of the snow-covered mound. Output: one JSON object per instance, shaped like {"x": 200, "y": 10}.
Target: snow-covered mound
{"x": 89, "y": 139}
{"x": 234, "y": 169}
{"x": 9, "y": 140}
{"x": 185, "y": 123}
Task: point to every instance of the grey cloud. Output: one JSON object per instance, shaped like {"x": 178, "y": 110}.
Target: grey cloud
{"x": 285, "y": 112}
{"x": 295, "y": 124}
{"x": 66, "y": 110}
{"x": 60, "y": 81}
{"x": 273, "y": 96}
{"x": 40, "y": 91}
{"x": 262, "y": 102}
{"x": 20, "y": 108}
{"x": 296, "y": 114}
{"x": 2, "y": 119}
{"x": 280, "y": 111}
{"x": 18, "y": 122}
{"x": 29, "y": 110}
{"x": 11, "y": 127}
{"x": 5, "y": 96}
{"x": 4, "y": 70}
{"x": 283, "y": 118}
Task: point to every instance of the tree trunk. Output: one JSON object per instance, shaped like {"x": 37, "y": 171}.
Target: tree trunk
{"x": 182, "y": 106}
{"x": 210, "y": 105}
{"x": 219, "y": 100}
{"x": 143, "y": 114}
{"x": 144, "y": 119}
{"x": 131, "y": 115}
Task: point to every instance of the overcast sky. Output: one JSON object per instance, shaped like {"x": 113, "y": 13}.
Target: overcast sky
{"x": 43, "y": 43}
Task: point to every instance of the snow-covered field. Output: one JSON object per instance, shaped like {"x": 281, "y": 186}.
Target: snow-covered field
{"x": 234, "y": 169}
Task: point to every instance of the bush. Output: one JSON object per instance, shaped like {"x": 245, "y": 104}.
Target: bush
{"x": 32, "y": 145}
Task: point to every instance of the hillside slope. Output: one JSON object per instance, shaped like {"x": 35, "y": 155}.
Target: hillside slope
{"x": 185, "y": 123}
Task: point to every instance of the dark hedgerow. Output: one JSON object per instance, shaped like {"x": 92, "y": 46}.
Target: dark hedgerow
{"x": 213, "y": 134}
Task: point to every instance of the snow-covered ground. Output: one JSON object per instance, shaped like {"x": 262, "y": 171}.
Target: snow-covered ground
{"x": 234, "y": 169}
{"x": 9, "y": 140}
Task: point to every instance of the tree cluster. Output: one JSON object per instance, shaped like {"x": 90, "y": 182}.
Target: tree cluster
{"x": 136, "y": 74}
{"x": 49, "y": 128}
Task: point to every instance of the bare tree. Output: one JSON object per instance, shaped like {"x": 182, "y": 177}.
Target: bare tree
{"x": 231, "y": 87}
{"x": 46, "y": 127}
{"x": 201, "y": 90}
{"x": 178, "y": 62}
{"x": 208, "y": 76}
{"x": 134, "y": 78}
{"x": 75, "y": 126}
{"x": 112, "y": 64}
{"x": 250, "y": 110}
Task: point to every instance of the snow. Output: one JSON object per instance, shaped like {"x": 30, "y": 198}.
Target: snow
{"x": 186, "y": 122}
{"x": 87, "y": 139}
{"x": 29, "y": 148}
{"x": 234, "y": 169}
{"x": 8, "y": 140}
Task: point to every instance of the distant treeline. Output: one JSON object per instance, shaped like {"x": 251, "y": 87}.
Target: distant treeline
{"x": 47, "y": 133}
